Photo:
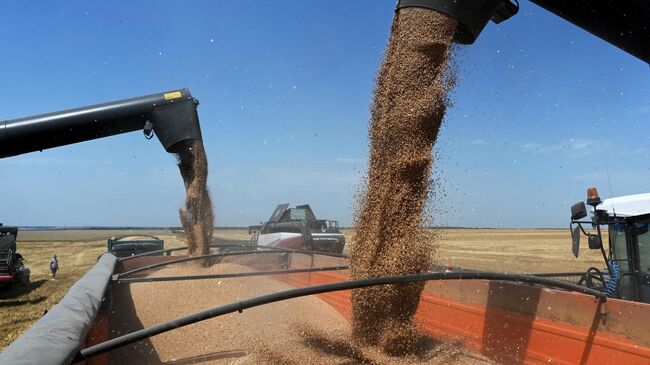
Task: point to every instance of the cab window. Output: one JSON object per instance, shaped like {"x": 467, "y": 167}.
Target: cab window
{"x": 619, "y": 246}
{"x": 296, "y": 214}
{"x": 643, "y": 239}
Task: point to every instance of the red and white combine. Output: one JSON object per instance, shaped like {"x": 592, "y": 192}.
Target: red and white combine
{"x": 298, "y": 228}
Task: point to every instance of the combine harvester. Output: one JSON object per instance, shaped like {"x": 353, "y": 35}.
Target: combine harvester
{"x": 298, "y": 228}
{"x": 511, "y": 319}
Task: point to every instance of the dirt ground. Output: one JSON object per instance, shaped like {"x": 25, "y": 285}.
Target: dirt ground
{"x": 504, "y": 250}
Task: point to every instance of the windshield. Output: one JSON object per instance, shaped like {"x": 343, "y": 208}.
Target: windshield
{"x": 297, "y": 214}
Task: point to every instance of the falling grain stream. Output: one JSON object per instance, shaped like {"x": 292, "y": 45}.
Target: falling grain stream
{"x": 409, "y": 103}
{"x": 196, "y": 216}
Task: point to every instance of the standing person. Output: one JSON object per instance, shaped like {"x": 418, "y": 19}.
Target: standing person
{"x": 54, "y": 266}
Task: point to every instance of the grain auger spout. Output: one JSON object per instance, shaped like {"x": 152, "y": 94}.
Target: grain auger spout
{"x": 621, "y": 23}
{"x": 472, "y": 15}
{"x": 171, "y": 115}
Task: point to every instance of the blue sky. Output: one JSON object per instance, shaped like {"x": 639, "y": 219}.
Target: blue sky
{"x": 542, "y": 111}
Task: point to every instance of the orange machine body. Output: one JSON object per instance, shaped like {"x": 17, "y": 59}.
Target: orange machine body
{"x": 509, "y": 323}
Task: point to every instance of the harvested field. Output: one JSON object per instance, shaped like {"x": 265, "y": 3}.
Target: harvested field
{"x": 232, "y": 234}
{"x": 515, "y": 250}
{"x": 299, "y": 331}
{"x": 83, "y": 235}
{"x": 509, "y": 250}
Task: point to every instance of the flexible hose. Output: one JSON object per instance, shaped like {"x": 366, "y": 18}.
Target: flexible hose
{"x": 611, "y": 285}
{"x": 253, "y": 247}
{"x": 226, "y": 275}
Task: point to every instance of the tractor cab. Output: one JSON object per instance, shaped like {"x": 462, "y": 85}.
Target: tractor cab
{"x": 626, "y": 220}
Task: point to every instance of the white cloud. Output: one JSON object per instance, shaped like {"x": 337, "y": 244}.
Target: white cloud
{"x": 575, "y": 147}
{"x": 632, "y": 151}
{"x": 348, "y": 160}
{"x": 477, "y": 141}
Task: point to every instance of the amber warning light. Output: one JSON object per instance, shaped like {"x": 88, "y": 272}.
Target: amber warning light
{"x": 592, "y": 197}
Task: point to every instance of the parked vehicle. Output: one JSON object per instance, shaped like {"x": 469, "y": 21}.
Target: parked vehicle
{"x": 12, "y": 267}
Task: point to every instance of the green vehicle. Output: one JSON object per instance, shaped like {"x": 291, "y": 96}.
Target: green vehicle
{"x": 133, "y": 245}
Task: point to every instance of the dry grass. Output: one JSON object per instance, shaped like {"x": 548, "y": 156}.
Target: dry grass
{"x": 232, "y": 234}
{"x": 85, "y": 235}
{"x": 521, "y": 251}
{"x": 514, "y": 250}
{"x": 509, "y": 250}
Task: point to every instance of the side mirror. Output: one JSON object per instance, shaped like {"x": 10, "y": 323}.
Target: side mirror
{"x": 578, "y": 211}
{"x": 594, "y": 242}
{"x": 575, "y": 238}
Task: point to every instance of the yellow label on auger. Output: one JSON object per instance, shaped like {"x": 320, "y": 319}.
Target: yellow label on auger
{"x": 172, "y": 95}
